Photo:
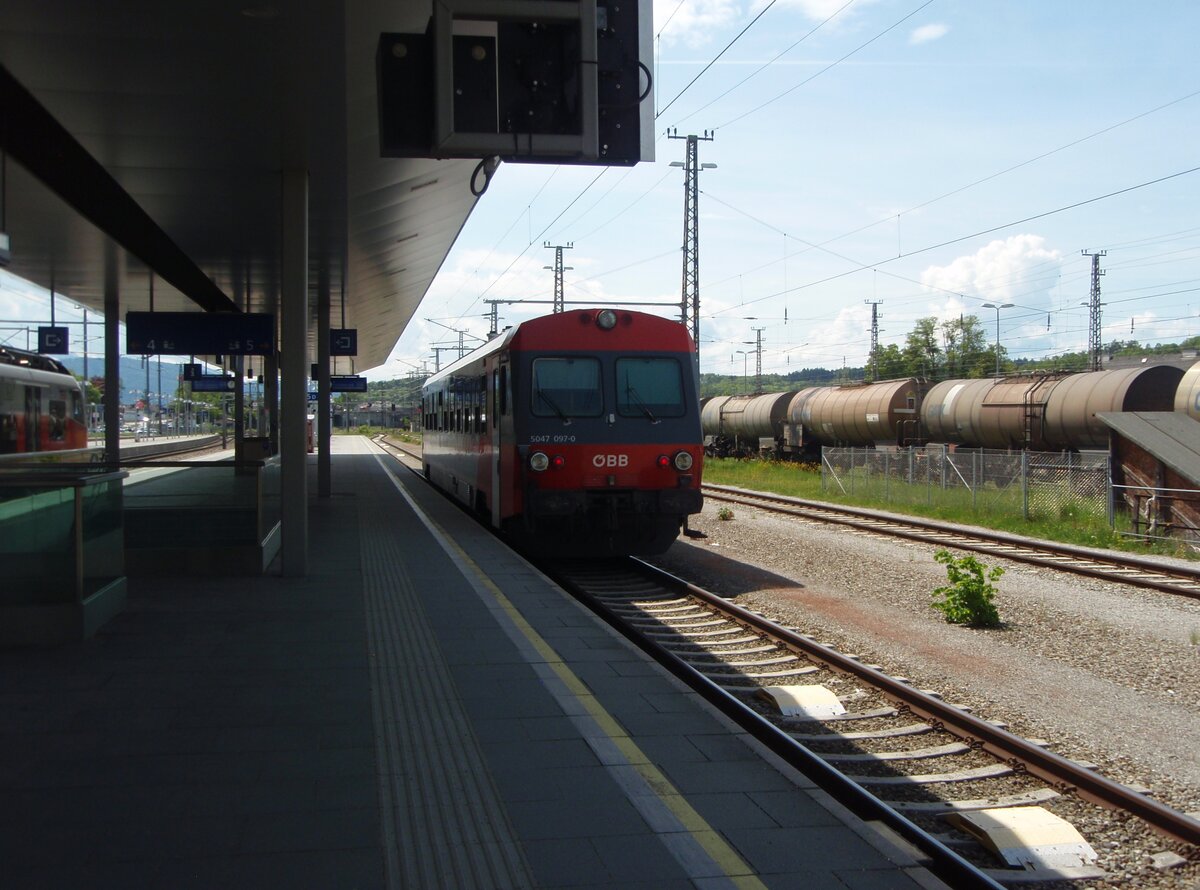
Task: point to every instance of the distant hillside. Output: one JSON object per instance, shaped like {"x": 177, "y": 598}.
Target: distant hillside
{"x": 133, "y": 375}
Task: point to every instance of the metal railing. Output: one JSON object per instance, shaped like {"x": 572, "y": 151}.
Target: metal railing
{"x": 1162, "y": 514}
{"x": 1031, "y": 484}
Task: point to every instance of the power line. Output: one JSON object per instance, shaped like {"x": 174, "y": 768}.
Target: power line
{"x": 858, "y": 48}
{"x": 718, "y": 56}
{"x": 987, "y": 231}
{"x": 763, "y": 67}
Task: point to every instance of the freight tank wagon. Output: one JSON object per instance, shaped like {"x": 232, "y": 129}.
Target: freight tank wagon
{"x": 1043, "y": 412}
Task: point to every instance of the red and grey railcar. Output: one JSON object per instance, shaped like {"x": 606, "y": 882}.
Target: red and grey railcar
{"x": 575, "y": 434}
{"x": 42, "y": 408}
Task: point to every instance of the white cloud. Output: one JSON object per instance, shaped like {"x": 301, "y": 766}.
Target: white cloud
{"x": 927, "y": 33}
{"x": 1019, "y": 269}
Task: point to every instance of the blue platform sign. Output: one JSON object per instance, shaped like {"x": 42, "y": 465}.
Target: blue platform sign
{"x": 199, "y": 333}
{"x": 343, "y": 341}
{"x": 53, "y": 341}
{"x": 213, "y": 383}
{"x": 347, "y": 383}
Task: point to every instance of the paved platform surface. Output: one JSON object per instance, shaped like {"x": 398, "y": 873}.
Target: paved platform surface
{"x": 422, "y": 710}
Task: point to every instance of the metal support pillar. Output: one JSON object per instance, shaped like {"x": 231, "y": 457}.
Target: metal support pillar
{"x": 112, "y": 356}
{"x": 323, "y": 425}
{"x": 293, "y": 357}
{"x": 271, "y": 397}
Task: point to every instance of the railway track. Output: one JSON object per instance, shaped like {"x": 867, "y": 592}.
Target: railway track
{"x": 893, "y": 753}
{"x": 1111, "y": 566}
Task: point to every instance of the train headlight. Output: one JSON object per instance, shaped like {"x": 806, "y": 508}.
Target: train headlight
{"x": 683, "y": 461}
{"x": 606, "y": 319}
{"x": 538, "y": 461}
{"x": 558, "y": 461}
{"x": 663, "y": 461}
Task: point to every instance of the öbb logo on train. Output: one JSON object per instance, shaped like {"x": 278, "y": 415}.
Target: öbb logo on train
{"x": 610, "y": 460}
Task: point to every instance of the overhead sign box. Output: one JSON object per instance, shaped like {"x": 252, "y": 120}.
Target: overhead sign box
{"x": 542, "y": 81}
{"x": 213, "y": 383}
{"x": 347, "y": 383}
{"x": 53, "y": 341}
{"x": 199, "y": 333}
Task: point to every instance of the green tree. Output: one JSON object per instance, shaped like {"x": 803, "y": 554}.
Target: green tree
{"x": 922, "y": 355}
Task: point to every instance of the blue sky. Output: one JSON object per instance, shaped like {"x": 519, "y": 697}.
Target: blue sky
{"x": 927, "y": 147}
{"x": 867, "y": 158}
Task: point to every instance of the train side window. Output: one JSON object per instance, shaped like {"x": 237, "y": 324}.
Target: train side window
{"x": 495, "y": 397}
{"x": 504, "y": 389}
{"x": 649, "y": 387}
{"x": 57, "y": 426}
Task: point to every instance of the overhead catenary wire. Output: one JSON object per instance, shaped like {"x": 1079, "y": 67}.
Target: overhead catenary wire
{"x": 761, "y": 13}
{"x": 831, "y": 65}
{"x": 771, "y": 62}
{"x": 987, "y": 231}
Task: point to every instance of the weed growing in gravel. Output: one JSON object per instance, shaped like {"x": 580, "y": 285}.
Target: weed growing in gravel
{"x": 724, "y": 514}
{"x": 967, "y": 599}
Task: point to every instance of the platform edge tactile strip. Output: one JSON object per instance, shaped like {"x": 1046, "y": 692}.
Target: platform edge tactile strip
{"x": 433, "y": 784}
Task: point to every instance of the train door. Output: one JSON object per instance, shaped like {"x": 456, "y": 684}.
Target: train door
{"x": 502, "y": 440}
{"x": 33, "y": 420}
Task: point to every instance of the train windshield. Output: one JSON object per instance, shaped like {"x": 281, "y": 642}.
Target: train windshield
{"x": 649, "y": 387}
{"x": 567, "y": 387}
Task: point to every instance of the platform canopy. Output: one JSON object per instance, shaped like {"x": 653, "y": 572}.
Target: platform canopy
{"x": 161, "y": 129}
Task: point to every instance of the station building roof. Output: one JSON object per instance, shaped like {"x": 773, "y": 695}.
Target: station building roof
{"x": 169, "y": 125}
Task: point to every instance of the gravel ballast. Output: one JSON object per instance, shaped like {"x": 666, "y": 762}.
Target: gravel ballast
{"x": 1104, "y": 672}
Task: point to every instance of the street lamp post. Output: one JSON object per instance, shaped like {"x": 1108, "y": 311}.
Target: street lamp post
{"x": 997, "y": 307}
{"x": 745, "y": 373}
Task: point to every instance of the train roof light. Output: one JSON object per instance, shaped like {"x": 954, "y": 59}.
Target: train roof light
{"x": 606, "y": 319}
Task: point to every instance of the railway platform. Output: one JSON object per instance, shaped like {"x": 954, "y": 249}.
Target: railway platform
{"x": 422, "y": 710}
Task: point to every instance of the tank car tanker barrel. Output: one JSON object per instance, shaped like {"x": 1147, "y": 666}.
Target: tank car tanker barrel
{"x": 1043, "y": 411}
{"x": 1075, "y": 401}
{"x": 1187, "y": 397}
{"x": 745, "y": 420}
{"x": 870, "y": 414}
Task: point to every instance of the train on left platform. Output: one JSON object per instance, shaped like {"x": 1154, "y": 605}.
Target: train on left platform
{"x": 575, "y": 434}
{"x": 42, "y": 409}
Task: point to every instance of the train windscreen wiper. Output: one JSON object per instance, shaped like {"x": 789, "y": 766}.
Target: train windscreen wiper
{"x": 630, "y": 391}
{"x": 562, "y": 415}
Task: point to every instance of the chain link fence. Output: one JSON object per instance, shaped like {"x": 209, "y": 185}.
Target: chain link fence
{"x": 1058, "y": 485}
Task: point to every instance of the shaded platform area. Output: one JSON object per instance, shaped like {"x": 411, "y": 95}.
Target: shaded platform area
{"x": 422, "y": 710}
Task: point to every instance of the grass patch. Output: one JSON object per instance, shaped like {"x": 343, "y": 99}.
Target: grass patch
{"x": 1001, "y": 510}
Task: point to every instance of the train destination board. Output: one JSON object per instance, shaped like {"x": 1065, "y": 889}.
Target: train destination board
{"x": 347, "y": 383}
{"x": 199, "y": 333}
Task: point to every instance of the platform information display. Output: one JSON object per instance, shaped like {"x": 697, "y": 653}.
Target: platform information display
{"x": 347, "y": 383}
{"x": 212, "y": 383}
{"x": 199, "y": 333}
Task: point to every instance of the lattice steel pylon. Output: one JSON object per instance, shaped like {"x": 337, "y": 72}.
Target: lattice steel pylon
{"x": 559, "y": 302}
{"x": 689, "y": 303}
{"x": 1095, "y": 342}
{"x": 874, "y": 304}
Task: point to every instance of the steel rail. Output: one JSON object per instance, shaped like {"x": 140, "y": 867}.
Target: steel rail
{"x": 1102, "y": 563}
{"x": 1060, "y": 773}
{"x": 938, "y": 858}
